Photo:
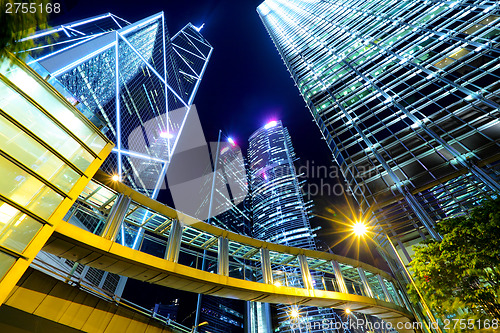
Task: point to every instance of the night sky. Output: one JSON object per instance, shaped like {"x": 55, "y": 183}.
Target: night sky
{"x": 245, "y": 85}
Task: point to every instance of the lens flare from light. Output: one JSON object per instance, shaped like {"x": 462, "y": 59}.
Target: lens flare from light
{"x": 359, "y": 229}
{"x": 166, "y": 135}
{"x": 294, "y": 313}
{"x": 115, "y": 178}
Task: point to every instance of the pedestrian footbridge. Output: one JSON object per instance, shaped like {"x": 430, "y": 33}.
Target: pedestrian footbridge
{"x": 53, "y": 198}
{"x": 235, "y": 266}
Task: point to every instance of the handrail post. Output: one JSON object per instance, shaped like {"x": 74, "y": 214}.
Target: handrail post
{"x": 339, "y": 277}
{"x": 265, "y": 260}
{"x": 223, "y": 256}
{"x": 362, "y": 275}
{"x": 384, "y": 288}
{"x": 398, "y": 299}
{"x": 174, "y": 241}
{"x": 304, "y": 271}
{"x": 116, "y": 217}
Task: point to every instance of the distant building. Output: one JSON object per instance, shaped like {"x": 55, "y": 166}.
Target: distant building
{"x": 280, "y": 215}
{"x": 132, "y": 76}
{"x": 227, "y": 191}
{"x": 168, "y": 311}
{"x": 224, "y": 315}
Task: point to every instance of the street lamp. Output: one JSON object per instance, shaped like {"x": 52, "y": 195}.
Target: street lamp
{"x": 194, "y": 329}
{"x": 360, "y": 229}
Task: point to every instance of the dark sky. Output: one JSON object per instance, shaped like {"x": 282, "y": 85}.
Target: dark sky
{"x": 245, "y": 85}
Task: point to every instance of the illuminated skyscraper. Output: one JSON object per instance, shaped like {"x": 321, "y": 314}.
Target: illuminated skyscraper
{"x": 138, "y": 85}
{"x": 134, "y": 77}
{"x": 280, "y": 214}
{"x": 406, "y": 95}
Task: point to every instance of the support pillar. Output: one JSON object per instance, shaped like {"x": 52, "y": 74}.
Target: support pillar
{"x": 174, "y": 242}
{"x": 384, "y": 288}
{"x": 304, "y": 271}
{"x": 398, "y": 299}
{"x": 116, "y": 217}
{"x": 265, "y": 260}
{"x": 223, "y": 256}
{"x": 339, "y": 277}
{"x": 362, "y": 275}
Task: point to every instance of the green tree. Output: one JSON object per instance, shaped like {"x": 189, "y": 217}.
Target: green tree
{"x": 462, "y": 272}
{"x": 15, "y": 26}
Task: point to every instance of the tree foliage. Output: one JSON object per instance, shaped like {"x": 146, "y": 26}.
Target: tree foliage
{"x": 15, "y": 26}
{"x": 462, "y": 272}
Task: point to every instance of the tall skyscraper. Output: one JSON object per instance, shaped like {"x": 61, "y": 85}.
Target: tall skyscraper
{"x": 135, "y": 77}
{"x": 136, "y": 83}
{"x": 406, "y": 95}
{"x": 226, "y": 200}
{"x": 280, "y": 214}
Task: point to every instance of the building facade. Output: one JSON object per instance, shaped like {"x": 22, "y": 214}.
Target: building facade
{"x": 406, "y": 95}
{"x": 281, "y": 216}
{"x": 225, "y": 200}
{"x": 136, "y": 78}
{"x": 137, "y": 84}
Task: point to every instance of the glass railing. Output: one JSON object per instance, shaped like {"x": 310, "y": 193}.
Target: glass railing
{"x": 199, "y": 246}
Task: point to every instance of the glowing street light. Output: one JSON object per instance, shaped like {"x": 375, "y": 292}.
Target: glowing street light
{"x": 194, "y": 329}
{"x": 360, "y": 229}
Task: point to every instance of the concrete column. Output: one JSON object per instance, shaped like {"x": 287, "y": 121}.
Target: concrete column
{"x": 174, "y": 242}
{"x": 304, "y": 271}
{"x": 116, "y": 217}
{"x": 265, "y": 260}
{"x": 339, "y": 277}
{"x": 362, "y": 275}
{"x": 223, "y": 256}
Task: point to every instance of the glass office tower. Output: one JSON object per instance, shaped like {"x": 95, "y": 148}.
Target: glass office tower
{"x": 406, "y": 95}
{"x": 280, "y": 215}
{"x": 137, "y": 84}
{"x": 136, "y": 78}
{"x": 225, "y": 200}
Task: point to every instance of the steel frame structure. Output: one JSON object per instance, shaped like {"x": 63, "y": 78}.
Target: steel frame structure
{"x": 406, "y": 95}
{"x": 111, "y": 33}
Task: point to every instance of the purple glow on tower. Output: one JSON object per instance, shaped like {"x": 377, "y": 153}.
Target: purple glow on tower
{"x": 270, "y": 124}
